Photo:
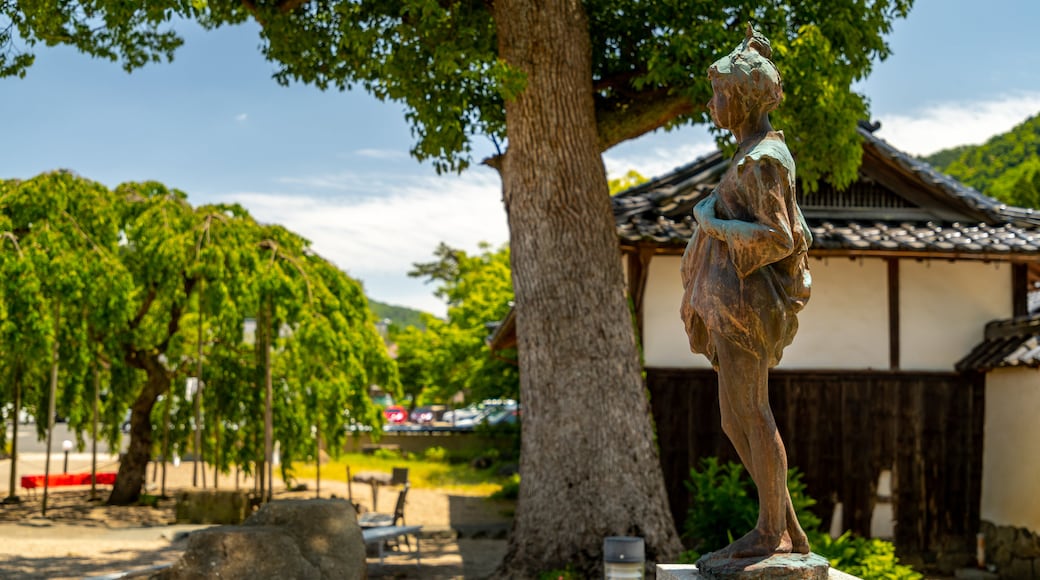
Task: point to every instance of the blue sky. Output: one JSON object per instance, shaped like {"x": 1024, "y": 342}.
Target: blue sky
{"x": 335, "y": 166}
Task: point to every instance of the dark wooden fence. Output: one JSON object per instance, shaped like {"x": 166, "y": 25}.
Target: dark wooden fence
{"x": 841, "y": 429}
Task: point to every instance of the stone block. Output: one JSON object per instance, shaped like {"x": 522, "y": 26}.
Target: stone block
{"x": 690, "y": 572}
{"x": 775, "y": 567}
{"x": 1027, "y": 545}
{"x": 239, "y": 552}
{"x": 211, "y": 507}
{"x": 326, "y": 530}
{"x": 302, "y": 539}
{"x": 948, "y": 563}
{"x": 1019, "y": 569}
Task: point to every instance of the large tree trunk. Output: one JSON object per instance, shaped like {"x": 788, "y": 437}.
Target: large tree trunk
{"x": 589, "y": 466}
{"x": 133, "y": 465}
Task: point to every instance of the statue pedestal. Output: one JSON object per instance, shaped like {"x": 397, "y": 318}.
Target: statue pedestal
{"x": 778, "y": 566}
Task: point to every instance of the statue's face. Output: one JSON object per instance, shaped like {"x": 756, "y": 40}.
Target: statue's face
{"x": 727, "y": 113}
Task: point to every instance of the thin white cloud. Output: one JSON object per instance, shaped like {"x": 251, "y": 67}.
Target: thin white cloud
{"x": 949, "y": 124}
{"x": 658, "y": 153}
{"x": 344, "y": 181}
{"x": 378, "y": 238}
{"x": 241, "y": 117}
{"x": 381, "y": 153}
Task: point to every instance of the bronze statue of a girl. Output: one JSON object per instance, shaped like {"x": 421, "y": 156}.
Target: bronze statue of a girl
{"x": 745, "y": 274}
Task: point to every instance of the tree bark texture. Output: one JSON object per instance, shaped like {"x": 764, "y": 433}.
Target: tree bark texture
{"x": 589, "y": 465}
{"x": 133, "y": 465}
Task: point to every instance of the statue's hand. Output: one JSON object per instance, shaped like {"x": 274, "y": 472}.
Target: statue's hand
{"x": 704, "y": 213}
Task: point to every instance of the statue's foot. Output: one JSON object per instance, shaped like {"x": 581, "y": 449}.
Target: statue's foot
{"x": 799, "y": 544}
{"x": 754, "y": 543}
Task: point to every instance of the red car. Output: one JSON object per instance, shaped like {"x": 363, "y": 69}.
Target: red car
{"x": 395, "y": 414}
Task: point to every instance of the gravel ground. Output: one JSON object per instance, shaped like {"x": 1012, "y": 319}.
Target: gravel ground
{"x": 463, "y": 537}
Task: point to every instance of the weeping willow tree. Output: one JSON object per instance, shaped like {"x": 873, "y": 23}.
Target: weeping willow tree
{"x": 65, "y": 294}
{"x": 128, "y": 290}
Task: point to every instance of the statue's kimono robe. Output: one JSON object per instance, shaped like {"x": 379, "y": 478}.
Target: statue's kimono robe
{"x": 749, "y": 287}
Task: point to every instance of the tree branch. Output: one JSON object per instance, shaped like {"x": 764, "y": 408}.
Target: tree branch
{"x": 146, "y": 305}
{"x": 624, "y": 118}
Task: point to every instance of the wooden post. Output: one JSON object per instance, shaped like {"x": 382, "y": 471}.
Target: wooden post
{"x": 50, "y": 408}
{"x": 11, "y": 497}
{"x": 197, "y": 398}
{"x": 93, "y": 434}
{"x": 166, "y": 441}
{"x": 268, "y": 402}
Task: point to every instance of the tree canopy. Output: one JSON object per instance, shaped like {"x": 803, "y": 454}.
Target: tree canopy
{"x": 1007, "y": 166}
{"x": 442, "y": 61}
{"x": 179, "y": 282}
{"x": 452, "y": 356}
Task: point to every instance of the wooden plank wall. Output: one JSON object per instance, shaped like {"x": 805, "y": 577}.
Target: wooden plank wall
{"x": 841, "y": 429}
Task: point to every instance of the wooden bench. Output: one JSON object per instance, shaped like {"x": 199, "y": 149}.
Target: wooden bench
{"x": 33, "y": 482}
{"x": 379, "y": 536}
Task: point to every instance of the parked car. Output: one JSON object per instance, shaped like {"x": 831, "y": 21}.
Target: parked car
{"x": 461, "y": 414}
{"x": 489, "y": 408}
{"x": 396, "y": 414}
{"x": 428, "y": 414}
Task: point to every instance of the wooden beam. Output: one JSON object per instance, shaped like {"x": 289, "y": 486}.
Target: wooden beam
{"x": 893, "y": 313}
{"x": 677, "y": 250}
{"x": 638, "y": 274}
{"x": 1019, "y": 289}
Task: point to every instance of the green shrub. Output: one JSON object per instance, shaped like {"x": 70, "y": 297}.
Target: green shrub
{"x": 510, "y": 489}
{"x": 725, "y": 505}
{"x": 435, "y": 453}
{"x": 867, "y": 558}
{"x": 382, "y": 453}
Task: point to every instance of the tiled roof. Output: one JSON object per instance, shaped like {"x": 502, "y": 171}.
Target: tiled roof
{"x": 659, "y": 212}
{"x": 928, "y": 236}
{"x": 1008, "y": 343}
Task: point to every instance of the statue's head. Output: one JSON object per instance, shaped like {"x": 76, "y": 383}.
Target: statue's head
{"x": 747, "y": 76}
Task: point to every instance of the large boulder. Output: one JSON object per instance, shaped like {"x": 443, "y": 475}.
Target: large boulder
{"x": 295, "y": 539}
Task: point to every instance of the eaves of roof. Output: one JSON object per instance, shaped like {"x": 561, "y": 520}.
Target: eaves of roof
{"x": 980, "y": 227}
{"x": 1008, "y": 343}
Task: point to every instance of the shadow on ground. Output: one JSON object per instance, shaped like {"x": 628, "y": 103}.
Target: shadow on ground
{"x": 75, "y": 566}
{"x": 471, "y": 548}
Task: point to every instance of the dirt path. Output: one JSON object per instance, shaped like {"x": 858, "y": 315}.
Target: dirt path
{"x": 463, "y": 537}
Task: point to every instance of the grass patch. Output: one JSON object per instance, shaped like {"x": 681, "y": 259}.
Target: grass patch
{"x": 422, "y": 473}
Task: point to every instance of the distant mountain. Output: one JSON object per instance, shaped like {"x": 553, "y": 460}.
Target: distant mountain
{"x": 400, "y": 316}
{"x": 1006, "y": 167}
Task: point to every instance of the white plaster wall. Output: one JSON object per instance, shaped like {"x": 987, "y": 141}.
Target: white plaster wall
{"x": 845, "y": 323}
{"x": 944, "y": 308}
{"x": 1010, "y": 461}
{"x": 664, "y": 342}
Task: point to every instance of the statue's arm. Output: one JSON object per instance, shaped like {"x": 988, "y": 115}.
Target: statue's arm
{"x": 768, "y": 239}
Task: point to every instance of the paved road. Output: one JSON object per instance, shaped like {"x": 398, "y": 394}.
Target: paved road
{"x": 32, "y": 454}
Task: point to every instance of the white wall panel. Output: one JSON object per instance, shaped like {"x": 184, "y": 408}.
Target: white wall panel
{"x": 1010, "y": 463}
{"x": 944, "y": 308}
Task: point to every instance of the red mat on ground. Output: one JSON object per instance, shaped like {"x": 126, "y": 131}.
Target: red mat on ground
{"x": 60, "y": 479}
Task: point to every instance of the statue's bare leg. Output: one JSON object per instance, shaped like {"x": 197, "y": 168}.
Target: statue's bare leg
{"x": 794, "y": 538}
{"x": 799, "y": 542}
{"x": 748, "y": 421}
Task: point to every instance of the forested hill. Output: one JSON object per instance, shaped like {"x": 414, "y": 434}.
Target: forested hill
{"x": 400, "y": 316}
{"x": 1006, "y": 167}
